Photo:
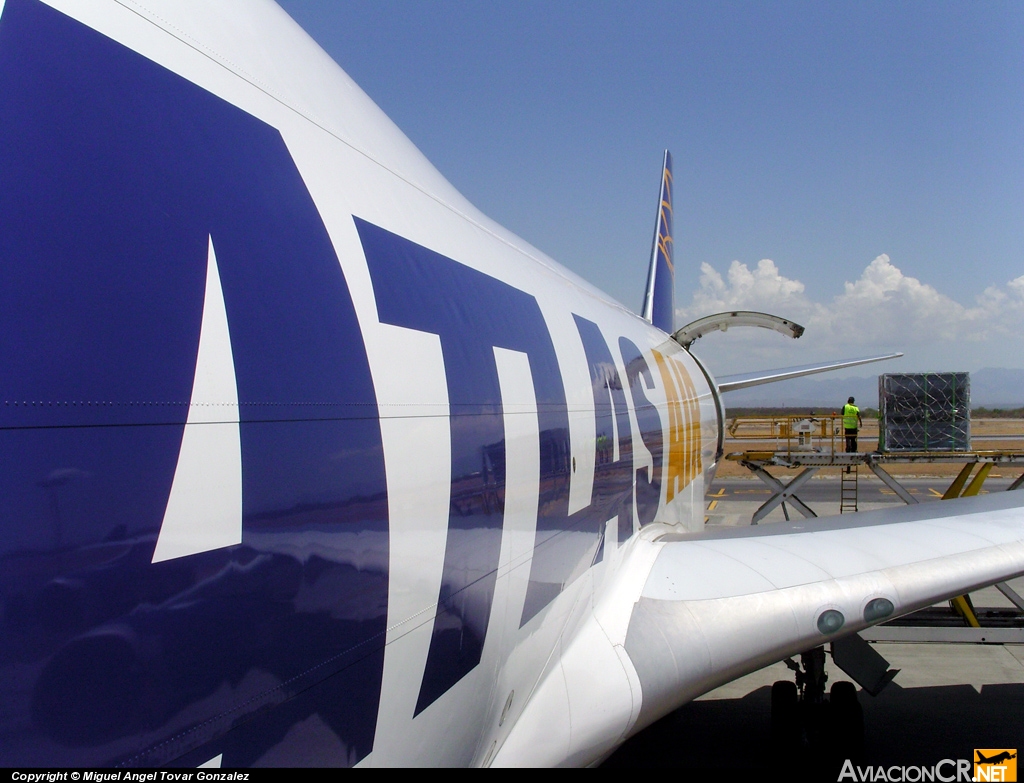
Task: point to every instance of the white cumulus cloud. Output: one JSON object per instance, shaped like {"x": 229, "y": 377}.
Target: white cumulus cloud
{"x": 880, "y": 311}
{"x": 764, "y": 285}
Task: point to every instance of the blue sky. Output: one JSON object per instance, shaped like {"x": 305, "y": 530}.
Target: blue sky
{"x": 870, "y": 152}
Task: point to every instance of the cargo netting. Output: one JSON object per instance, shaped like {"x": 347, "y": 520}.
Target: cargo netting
{"x": 924, "y": 412}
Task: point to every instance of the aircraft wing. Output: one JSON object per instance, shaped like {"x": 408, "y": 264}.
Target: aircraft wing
{"x": 713, "y": 606}
{"x": 730, "y": 383}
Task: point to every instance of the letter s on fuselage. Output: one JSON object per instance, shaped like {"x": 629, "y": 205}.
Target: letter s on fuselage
{"x": 437, "y": 434}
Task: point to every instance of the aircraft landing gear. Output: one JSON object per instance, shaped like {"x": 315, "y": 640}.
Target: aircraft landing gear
{"x": 810, "y": 728}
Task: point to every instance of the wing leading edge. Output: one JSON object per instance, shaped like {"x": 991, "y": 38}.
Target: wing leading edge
{"x": 714, "y": 606}
{"x": 776, "y": 586}
{"x": 730, "y": 383}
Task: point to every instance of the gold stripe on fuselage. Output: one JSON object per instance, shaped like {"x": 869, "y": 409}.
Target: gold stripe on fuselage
{"x": 683, "y": 461}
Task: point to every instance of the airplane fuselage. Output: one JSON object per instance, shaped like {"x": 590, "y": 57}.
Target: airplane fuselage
{"x": 305, "y": 460}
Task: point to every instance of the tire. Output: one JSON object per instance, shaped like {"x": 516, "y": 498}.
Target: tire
{"x": 847, "y": 720}
{"x": 785, "y": 733}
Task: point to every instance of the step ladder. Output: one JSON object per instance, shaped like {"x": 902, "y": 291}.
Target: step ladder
{"x": 848, "y": 490}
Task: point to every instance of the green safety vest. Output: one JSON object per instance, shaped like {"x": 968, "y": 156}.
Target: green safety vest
{"x": 850, "y": 413}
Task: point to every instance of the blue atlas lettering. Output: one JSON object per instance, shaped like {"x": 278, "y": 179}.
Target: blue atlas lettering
{"x": 472, "y": 313}
{"x": 116, "y": 172}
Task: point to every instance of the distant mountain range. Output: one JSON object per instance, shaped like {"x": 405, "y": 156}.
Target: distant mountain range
{"x": 991, "y": 387}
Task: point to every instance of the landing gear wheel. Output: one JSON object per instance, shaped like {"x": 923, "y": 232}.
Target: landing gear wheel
{"x": 785, "y": 735}
{"x": 847, "y": 720}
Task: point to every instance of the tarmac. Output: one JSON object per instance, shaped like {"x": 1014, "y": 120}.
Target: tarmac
{"x": 946, "y": 701}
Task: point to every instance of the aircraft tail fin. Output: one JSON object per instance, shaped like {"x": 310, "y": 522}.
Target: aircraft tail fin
{"x": 660, "y": 296}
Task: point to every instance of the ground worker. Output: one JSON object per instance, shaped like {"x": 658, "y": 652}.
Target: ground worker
{"x": 851, "y": 422}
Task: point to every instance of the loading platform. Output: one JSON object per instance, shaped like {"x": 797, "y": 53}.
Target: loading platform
{"x": 814, "y": 442}
{"x": 810, "y": 463}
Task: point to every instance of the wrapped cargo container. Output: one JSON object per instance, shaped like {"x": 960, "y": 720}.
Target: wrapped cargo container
{"x": 924, "y": 411}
